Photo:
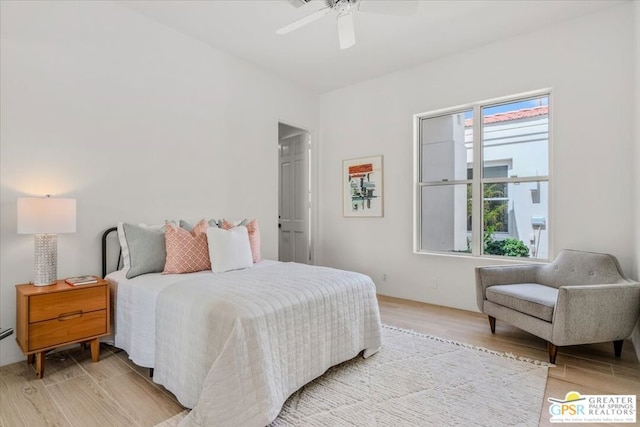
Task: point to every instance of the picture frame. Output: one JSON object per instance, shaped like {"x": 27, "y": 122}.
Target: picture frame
{"x": 362, "y": 187}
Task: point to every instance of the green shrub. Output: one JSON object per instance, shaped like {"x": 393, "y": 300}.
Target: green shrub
{"x": 494, "y": 247}
{"x": 515, "y": 247}
{"x": 506, "y": 247}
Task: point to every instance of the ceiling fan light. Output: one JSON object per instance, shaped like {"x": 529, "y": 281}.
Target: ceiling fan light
{"x": 346, "y": 33}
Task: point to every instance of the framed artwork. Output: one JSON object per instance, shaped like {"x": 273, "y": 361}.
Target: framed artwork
{"x": 362, "y": 187}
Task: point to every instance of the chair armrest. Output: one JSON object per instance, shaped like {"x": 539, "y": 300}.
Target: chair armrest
{"x": 595, "y": 313}
{"x": 502, "y": 275}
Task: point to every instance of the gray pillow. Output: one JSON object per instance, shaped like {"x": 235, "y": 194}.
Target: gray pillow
{"x": 236, "y": 223}
{"x": 189, "y": 227}
{"x": 147, "y": 249}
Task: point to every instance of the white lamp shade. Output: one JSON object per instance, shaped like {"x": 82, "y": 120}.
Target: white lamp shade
{"x": 46, "y": 215}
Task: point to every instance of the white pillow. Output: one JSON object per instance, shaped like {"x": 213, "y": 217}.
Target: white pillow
{"x": 124, "y": 248}
{"x": 229, "y": 249}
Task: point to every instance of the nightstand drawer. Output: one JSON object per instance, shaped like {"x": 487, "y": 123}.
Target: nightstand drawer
{"x": 72, "y": 328}
{"x": 51, "y": 305}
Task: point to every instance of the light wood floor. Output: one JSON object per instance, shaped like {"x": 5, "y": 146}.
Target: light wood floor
{"x": 587, "y": 369}
{"x": 115, "y": 392}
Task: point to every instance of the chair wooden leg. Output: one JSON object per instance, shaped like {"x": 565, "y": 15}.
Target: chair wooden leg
{"x": 617, "y": 347}
{"x": 553, "y": 352}
{"x": 492, "y": 324}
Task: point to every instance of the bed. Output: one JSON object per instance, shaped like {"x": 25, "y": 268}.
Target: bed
{"x": 234, "y": 346}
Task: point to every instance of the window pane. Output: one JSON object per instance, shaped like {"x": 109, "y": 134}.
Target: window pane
{"x": 445, "y": 147}
{"x": 517, "y": 134}
{"x": 517, "y": 225}
{"x": 445, "y": 212}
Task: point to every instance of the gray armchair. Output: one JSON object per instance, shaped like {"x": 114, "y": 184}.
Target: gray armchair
{"x": 579, "y": 298}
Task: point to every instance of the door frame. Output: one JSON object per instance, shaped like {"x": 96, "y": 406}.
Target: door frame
{"x": 312, "y": 165}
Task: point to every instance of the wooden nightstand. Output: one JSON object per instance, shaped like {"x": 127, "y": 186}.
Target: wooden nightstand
{"x": 52, "y": 316}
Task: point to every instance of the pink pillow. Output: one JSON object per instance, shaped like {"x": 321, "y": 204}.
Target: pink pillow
{"x": 187, "y": 252}
{"x": 254, "y": 237}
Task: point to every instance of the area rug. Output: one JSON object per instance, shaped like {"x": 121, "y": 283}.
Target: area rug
{"x": 418, "y": 379}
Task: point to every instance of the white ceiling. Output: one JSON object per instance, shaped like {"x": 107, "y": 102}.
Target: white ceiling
{"x": 385, "y": 43}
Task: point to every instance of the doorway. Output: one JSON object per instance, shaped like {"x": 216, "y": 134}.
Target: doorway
{"x": 294, "y": 194}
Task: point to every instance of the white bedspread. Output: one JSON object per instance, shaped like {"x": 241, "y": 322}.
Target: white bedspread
{"x": 135, "y": 312}
{"x": 234, "y": 346}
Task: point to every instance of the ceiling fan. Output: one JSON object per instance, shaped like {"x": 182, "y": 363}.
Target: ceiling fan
{"x": 344, "y": 9}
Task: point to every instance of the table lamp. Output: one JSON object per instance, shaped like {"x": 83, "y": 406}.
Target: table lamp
{"x": 46, "y": 217}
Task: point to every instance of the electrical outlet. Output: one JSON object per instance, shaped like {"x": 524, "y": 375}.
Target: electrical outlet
{"x": 384, "y": 277}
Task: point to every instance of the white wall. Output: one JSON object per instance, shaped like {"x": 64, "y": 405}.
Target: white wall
{"x": 588, "y": 63}
{"x": 636, "y": 272}
{"x": 137, "y": 122}
{"x": 636, "y": 4}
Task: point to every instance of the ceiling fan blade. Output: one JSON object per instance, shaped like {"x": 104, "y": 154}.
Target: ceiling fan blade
{"x": 346, "y": 32}
{"x": 389, "y": 7}
{"x": 304, "y": 21}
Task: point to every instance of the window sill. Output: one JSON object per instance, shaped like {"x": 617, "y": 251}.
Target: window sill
{"x": 507, "y": 259}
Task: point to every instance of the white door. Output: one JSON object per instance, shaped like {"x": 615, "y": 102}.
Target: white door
{"x": 294, "y": 195}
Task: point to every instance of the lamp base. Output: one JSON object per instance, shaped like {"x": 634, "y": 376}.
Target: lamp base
{"x": 46, "y": 259}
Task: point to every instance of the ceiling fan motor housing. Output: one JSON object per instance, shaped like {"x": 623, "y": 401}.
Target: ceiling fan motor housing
{"x": 345, "y": 3}
{"x": 344, "y": 18}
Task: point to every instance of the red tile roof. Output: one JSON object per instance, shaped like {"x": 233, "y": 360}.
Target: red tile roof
{"x": 525, "y": 113}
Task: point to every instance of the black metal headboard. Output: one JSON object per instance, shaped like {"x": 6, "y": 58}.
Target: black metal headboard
{"x": 104, "y": 250}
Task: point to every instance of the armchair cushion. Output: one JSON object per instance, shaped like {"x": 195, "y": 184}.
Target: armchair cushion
{"x": 528, "y": 298}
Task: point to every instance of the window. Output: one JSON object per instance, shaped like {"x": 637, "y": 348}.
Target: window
{"x": 503, "y": 210}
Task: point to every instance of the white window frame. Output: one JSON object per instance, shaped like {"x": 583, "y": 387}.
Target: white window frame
{"x": 478, "y": 180}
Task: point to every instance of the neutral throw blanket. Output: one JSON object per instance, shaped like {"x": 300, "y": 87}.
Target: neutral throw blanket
{"x": 234, "y": 346}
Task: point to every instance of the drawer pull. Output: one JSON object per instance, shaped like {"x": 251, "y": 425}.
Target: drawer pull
{"x": 69, "y": 316}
